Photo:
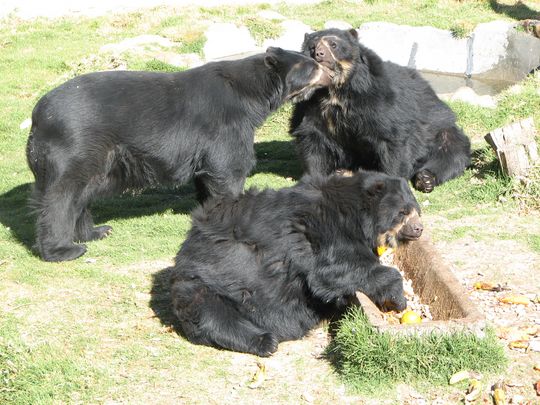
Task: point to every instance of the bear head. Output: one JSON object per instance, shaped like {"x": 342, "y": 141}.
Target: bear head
{"x": 300, "y": 74}
{"x": 341, "y": 53}
{"x": 396, "y": 211}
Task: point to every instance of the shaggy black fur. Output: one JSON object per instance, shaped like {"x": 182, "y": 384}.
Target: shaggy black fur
{"x": 268, "y": 266}
{"x": 106, "y": 132}
{"x": 376, "y": 115}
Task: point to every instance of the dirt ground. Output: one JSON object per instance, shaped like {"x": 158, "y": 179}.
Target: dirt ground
{"x": 510, "y": 264}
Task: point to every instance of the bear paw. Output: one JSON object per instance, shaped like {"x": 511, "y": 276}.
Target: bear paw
{"x": 424, "y": 181}
{"x": 265, "y": 344}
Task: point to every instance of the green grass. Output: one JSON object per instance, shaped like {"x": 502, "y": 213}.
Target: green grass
{"x": 87, "y": 331}
{"x": 373, "y": 362}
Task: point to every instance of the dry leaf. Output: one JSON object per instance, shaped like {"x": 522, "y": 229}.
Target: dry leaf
{"x": 515, "y": 299}
{"x": 536, "y": 367}
{"x": 537, "y": 385}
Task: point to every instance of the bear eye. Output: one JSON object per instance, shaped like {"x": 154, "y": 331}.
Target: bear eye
{"x": 403, "y": 212}
{"x": 333, "y": 45}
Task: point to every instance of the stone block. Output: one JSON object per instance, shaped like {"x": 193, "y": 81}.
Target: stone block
{"x": 225, "y": 39}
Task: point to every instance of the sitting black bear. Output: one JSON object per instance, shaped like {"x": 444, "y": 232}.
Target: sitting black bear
{"x": 268, "y": 266}
{"x": 106, "y": 132}
{"x": 375, "y": 115}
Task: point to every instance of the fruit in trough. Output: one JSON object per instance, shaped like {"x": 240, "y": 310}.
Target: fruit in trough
{"x": 410, "y": 317}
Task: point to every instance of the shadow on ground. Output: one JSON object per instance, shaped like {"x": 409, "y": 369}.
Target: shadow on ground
{"x": 517, "y": 11}
{"x": 19, "y": 218}
{"x": 160, "y": 300}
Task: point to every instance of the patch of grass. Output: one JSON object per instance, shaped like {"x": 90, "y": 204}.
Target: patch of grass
{"x": 262, "y": 29}
{"x": 372, "y": 362}
{"x": 45, "y": 374}
{"x": 155, "y": 66}
{"x": 192, "y": 42}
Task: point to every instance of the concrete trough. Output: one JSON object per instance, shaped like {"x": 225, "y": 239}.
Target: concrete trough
{"x": 437, "y": 287}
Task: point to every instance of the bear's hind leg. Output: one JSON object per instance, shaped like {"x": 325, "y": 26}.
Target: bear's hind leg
{"x": 208, "y": 319}
{"x": 451, "y": 156}
{"x": 55, "y": 226}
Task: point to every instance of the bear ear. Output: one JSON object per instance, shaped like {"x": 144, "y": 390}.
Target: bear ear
{"x": 270, "y": 58}
{"x": 354, "y": 33}
{"x": 306, "y": 36}
{"x": 376, "y": 188}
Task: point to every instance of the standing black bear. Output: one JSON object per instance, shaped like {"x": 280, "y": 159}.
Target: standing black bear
{"x": 106, "y": 132}
{"x": 268, "y": 266}
{"x": 375, "y": 115}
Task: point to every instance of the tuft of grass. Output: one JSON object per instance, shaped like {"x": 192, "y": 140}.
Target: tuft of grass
{"x": 262, "y": 29}
{"x": 155, "y": 65}
{"x": 373, "y": 362}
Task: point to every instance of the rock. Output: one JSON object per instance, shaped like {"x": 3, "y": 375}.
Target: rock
{"x": 423, "y": 48}
{"x": 270, "y": 15}
{"x": 137, "y": 44}
{"x": 489, "y": 45}
{"x": 226, "y": 39}
{"x": 499, "y": 52}
{"x": 188, "y": 60}
{"x": 293, "y": 36}
{"x": 342, "y": 25}
{"x": 468, "y": 95}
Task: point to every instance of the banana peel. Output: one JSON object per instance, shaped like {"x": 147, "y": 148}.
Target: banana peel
{"x": 519, "y": 344}
{"x": 515, "y": 299}
{"x": 459, "y": 376}
{"x": 499, "y": 394}
{"x": 474, "y": 391}
{"x": 258, "y": 377}
{"x": 487, "y": 286}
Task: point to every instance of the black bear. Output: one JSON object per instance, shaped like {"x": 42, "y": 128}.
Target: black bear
{"x": 268, "y": 266}
{"x": 377, "y": 116}
{"x": 106, "y": 132}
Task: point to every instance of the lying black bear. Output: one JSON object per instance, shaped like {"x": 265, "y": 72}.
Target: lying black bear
{"x": 268, "y": 266}
{"x": 106, "y": 132}
{"x": 375, "y": 115}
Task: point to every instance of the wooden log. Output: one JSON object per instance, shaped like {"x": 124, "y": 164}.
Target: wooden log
{"x": 515, "y": 146}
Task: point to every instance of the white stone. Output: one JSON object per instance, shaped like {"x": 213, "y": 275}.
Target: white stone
{"x": 423, "y": 48}
{"x": 137, "y": 44}
{"x": 27, "y": 123}
{"x": 341, "y": 25}
{"x": 292, "y": 37}
{"x": 468, "y": 95}
{"x": 270, "y": 15}
{"x": 490, "y": 41}
{"x": 226, "y": 39}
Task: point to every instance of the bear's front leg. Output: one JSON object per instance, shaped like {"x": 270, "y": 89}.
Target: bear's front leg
{"x": 382, "y": 284}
